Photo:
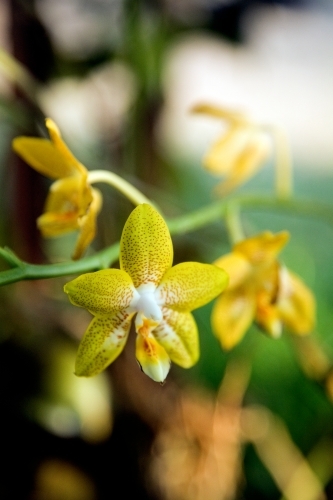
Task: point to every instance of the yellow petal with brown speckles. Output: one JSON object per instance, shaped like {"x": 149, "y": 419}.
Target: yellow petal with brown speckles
{"x": 102, "y": 343}
{"x": 190, "y": 285}
{"x": 104, "y": 291}
{"x": 178, "y": 334}
{"x": 146, "y": 248}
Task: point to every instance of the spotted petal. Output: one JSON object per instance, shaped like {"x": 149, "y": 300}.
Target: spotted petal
{"x": 102, "y": 343}
{"x": 145, "y": 248}
{"x": 190, "y": 285}
{"x": 152, "y": 358}
{"x": 178, "y": 334}
{"x": 104, "y": 291}
{"x": 87, "y": 224}
{"x": 232, "y": 315}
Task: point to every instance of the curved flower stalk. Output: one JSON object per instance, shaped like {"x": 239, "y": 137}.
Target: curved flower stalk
{"x": 72, "y": 204}
{"x": 239, "y": 153}
{"x": 147, "y": 286}
{"x": 262, "y": 290}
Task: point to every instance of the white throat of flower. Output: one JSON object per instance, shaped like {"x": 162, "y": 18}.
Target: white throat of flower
{"x": 147, "y": 307}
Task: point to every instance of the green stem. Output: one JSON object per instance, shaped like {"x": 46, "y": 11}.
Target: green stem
{"x": 179, "y": 225}
{"x": 217, "y": 210}
{"x": 298, "y": 207}
{"x": 283, "y": 166}
{"x": 234, "y": 224}
{"x": 25, "y": 271}
{"x": 124, "y": 187}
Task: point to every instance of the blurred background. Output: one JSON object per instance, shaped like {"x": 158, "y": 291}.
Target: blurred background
{"x": 119, "y": 77}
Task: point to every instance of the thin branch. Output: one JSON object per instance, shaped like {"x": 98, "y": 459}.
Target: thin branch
{"x": 179, "y": 225}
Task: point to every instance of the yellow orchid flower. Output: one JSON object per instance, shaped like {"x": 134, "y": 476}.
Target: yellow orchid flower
{"x": 239, "y": 153}
{"x": 262, "y": 290}
{"x": 72, "y": 204}
{"x": 161, "y": 296}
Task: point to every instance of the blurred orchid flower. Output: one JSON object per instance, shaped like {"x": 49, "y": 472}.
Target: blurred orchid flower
{"x": 72, "y": 204}
{"x": 262, "y": 290}
{"x": 239, "y": 153}
{"x": 161, "y": 296}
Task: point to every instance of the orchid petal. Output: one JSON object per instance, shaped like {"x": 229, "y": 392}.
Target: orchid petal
{"x": 152, "y": 358}
{"x": 104, "y": 291}
{"x": 263, "y": 248}
{"x": 218, "y": 112}
{"x": 268, "y": 318}
{"x": 49, "y": 157}
{"x": 67, "y": 202}
{"x": 145, "y": 249}
{"x": 237, "y": 267}
{"x": 232, "y": 315}
{"x": 190, "y": 285}
{"x": 59, "y": 144}
{"x": 87, "y": 223}
{"x": 64, "y": 195}
{"x": 178, "y": 334}
{"x": 297, "y": 306}
{"x": 102, "y": 343}
{"x": 223, "y": 155}
{"x": 268, "y": 287}
{"x": 43, "y": 156}
{"x": 53, "y": 224}
{"x": 249, "y": 161}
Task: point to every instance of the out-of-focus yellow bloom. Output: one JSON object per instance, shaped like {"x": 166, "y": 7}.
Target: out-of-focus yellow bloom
{"x": 241, "y": 150}
{"x": 161, "y": 296}
{"x": 72, "y": 204}
{"x": 262, "y": 290}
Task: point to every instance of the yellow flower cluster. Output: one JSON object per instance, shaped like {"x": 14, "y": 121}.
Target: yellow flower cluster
{"x": 161, "y": 297}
